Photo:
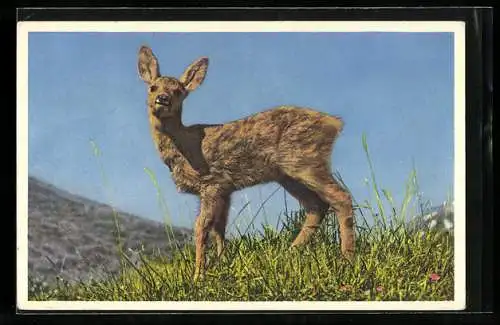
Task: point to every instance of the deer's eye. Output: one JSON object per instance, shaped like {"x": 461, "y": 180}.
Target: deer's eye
{"x": 153, "y": 88}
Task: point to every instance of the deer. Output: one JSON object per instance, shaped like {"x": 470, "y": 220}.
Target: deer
{"x": 288, "y": 145}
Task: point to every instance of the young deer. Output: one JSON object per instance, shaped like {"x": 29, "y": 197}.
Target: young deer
{"x": 288, "y": 145}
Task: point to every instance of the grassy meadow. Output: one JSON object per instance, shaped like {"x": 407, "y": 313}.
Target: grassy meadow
{"x": 394, "y": 261}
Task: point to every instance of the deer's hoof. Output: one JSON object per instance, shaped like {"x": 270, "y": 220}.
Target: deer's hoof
{"x": 349, "y": 255}
{"x": 198, "y": 276}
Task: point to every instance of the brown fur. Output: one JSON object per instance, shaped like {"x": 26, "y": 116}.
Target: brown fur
{"x": 289, "y": 145}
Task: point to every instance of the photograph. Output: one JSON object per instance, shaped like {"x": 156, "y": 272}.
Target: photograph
{"x": 241, "y": 165}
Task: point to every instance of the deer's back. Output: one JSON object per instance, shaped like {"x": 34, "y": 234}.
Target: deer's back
{"x": 255, "y": 149}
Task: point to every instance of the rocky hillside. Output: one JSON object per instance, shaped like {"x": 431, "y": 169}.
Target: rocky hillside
{"x": 440, "y": 218}
{"x": 74, "y": 237}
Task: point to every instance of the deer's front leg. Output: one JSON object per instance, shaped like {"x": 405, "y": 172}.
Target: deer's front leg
{"x": 219, "y": 225}
{"x": 212, "y": 205}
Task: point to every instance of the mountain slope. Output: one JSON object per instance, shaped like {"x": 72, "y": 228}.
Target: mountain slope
{"x": 438, "y": 218}
{"x": 74, "y": 237}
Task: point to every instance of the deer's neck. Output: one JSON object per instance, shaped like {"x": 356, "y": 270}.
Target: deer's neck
{"x": 175, "y": 141}
{"x": 163, "y": 139}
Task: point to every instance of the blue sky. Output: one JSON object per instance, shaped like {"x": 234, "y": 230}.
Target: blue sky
{"x": 395, "y": 87}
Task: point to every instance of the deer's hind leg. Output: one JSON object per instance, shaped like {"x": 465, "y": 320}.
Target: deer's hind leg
{"x": 315, "y": 208}
{"x": 329, "y": 190}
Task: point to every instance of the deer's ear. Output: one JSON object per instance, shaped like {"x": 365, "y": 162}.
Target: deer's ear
{"x": 148, "y": 66}
{"x": 194, "y": 75}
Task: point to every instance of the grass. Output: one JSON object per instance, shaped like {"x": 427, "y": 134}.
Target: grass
{"x": 394, "y": 262}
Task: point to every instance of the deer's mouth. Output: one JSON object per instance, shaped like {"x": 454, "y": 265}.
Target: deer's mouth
{"x": 163, "y": 100}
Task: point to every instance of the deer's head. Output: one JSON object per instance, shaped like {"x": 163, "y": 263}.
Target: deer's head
{"x": 165, "y": 94}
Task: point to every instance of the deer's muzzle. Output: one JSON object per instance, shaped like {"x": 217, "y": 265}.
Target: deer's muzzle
{"x": 163, "y": 100}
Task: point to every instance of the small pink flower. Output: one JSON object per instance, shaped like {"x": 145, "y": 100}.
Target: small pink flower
{"x": 434, "y": 277}
{"x": 379, "y": 289}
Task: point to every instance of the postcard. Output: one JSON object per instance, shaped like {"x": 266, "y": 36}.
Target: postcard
{"x": 246, "y": 165}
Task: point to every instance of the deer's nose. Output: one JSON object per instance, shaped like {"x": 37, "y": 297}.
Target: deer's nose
{"x": 163, "y": 99}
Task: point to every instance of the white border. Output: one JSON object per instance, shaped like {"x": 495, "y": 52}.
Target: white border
{"x": 458, "y": 28}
